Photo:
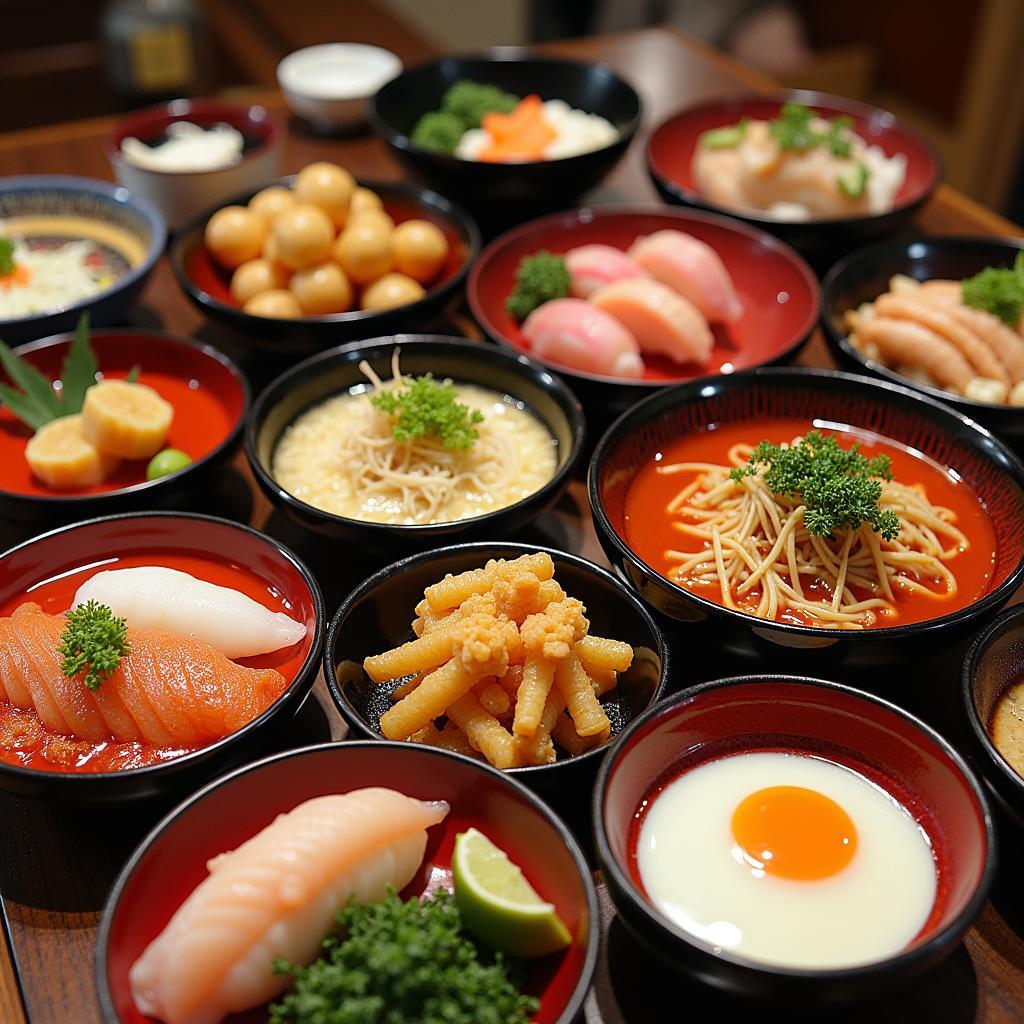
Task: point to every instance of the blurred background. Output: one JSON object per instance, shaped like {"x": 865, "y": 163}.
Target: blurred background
{"x": 952, "y": 68}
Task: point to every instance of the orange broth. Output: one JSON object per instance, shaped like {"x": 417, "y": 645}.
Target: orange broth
{"x": 649, "y": 531}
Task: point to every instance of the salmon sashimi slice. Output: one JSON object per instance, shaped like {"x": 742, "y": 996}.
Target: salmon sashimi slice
{"x": 276, "y": 895}
{"x": 168, "y": 690}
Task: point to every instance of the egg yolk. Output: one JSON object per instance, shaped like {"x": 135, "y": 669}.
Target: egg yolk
{"x": 792, "y": 832}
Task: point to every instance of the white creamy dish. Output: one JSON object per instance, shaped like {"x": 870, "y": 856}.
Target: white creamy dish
{"x": 187, "y": 148}
{"x": 787, "y": 859}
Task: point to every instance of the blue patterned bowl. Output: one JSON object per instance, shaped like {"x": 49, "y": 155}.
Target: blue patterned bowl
{"x": 129, "y": 235}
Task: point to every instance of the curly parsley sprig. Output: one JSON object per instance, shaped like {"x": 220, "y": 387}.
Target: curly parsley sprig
{"x": 94, "y": 641}
{"x": 840, "y": 488}
{"x": 428, "y": 408}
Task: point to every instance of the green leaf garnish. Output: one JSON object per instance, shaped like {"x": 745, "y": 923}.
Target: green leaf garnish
{"x": 133, "y": 374}
{"x": 94, "y": 641}
{"x": 724, "y": 138}
{"x": 998, "y": 290}
{"x": 6, "y": 256}
{"x": 429, "y": 409}
{"x": 853, "y": 182}
{"x": 37, "y": 387}
{"x": 539, "y": 279}
{"x": 793, "y": 129}
{"x": 78, "y": 373}
{"x": 840, "y": 488}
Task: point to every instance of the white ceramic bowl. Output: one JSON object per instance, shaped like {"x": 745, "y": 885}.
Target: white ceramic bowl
{"x": 182, "y": 195}
{"x": 327, "y": 85}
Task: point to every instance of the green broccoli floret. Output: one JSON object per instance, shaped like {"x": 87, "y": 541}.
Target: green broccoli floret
{"x": 539, "y": 278}
{"x": 438, "y": 130}
{"x": 469, "y": 101}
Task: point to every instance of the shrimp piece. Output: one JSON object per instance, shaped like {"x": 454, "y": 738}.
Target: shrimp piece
{"x": 977, "y": 353}
{"x": 1006, "y": 343}
{"x": 902, "y": 342}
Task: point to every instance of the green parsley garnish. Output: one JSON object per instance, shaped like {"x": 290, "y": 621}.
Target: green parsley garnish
{"x": 402, "y": 963}
{"x": 539, "y": 279}
{"x": 999, "y": 290}
{"x": 725, "y": 138}
{"x": 428, "y": 408}
{"x": 37, "y": 402}
{"x": 840, "y": 488}
{"x": 6, "y": 256}
{"x": 93, "y": 641}
{"x": 793, "y": 129}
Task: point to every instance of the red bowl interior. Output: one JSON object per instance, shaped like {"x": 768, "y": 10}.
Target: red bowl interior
{"x": 671, "y": 145}
{"x": 779, "y": 292}
{"x": 207, "y": 394}
{"x": 836, "y": 723}
{"x": 256, "y": 125}
{"x": 173, "y": 862}
{"x": 215, "y": 281}
{"x": 51, "y": 568}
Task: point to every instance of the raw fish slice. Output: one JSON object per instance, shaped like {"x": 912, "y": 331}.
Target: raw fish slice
{"x": 169, "y": 690}
{"x": 276, "y": 895}
{"x": 155, "y": 597}
{"x": 660, "y": 319}
{"x": 578, "y": 335}
{"x": 594, "y": 266}
{"x": 692, "y": 268}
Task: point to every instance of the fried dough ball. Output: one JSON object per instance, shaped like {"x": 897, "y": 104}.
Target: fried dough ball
{"x": 322, "y": 289}
{"x": 419, "y": 249}
{"x": 233, "y": 235}
{"x": 271, "y": 201}
{"x": 375, "y": 215}
{"x": 390, "y": 291}
{"x": 279, "y": 303}
{"x": 256, "y": 276}
{"x": 364, "y": 250}
{"x": 327, "y": 186}
{"x": 363, "y": 200}
{"x": 304, "y": 235}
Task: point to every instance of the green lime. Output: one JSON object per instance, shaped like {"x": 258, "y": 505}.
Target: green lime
{"x": 170, "y": 460}
{"x": 498, "y": 905}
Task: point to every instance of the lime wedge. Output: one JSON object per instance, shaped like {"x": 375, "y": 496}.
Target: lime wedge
{"x": 498, "y": 905}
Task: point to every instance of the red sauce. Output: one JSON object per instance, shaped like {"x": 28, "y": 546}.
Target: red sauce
{"x": 27, "y": 743}
{"x": 650, "y": 534}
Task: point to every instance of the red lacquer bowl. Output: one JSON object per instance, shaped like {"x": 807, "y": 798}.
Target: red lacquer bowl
{"x": 896, "y": 751}
{"x": 50, "y": 568}
{"x": 171, "y": 861}
{"x": 207, "y": 284}
{"x": 779, "y": 292}
{"x": 671, "y": 146}
{"x": 210, "y": 396}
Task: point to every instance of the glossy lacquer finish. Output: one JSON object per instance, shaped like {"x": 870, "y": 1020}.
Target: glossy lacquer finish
{"x": 378, "y": 616}
{"x": 336, "y": 371}
{"x": 48, "y": 570}
{"x": 496, "y": 192}
{"x": 863, "y": 275}
{"x": 985, "y": 465}
{"x": 903, "y": 756}
{"x": 171, "y": 862}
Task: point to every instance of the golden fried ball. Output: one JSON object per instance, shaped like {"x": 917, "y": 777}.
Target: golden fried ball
{"x": 270, "y": 202}
{"x": 364, "y": 199}
{"x": 278, "y": 303}
{"x": 234, "y": 235}
{"x": 369, "y": 213}
{"x": 392, "y": 290}
{"x": 255, "y": 276}
{"x": 364, "y": 250}
{"x": 304, "y": 235}
{"x": 322, "y": 289}
{"x": 419, "y": 249}
{"x": 328, "y": 186}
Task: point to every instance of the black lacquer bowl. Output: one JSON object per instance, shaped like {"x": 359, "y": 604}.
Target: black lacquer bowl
{"x": 864, "y": 275}
{"x": 337, "y": 371}
{"x": 986, "y": 465}
{"x": 994, "y": 663}
{"x": 496, "y": 191}
{"x": 378, "y": 616}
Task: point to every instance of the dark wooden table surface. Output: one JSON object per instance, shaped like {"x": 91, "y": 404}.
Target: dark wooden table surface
{"x": 56, "y": 864}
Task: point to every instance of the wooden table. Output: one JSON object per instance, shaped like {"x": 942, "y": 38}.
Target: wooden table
{"x": 57, "y": 864}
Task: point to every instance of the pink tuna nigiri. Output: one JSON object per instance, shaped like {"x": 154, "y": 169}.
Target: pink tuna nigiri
{"x": 580, "y": 336}
{"x": 660, "y": 319}
{"x": 594, "y": 266}
{"x": 692, "y": 268}
{"x": 276, "y": 895}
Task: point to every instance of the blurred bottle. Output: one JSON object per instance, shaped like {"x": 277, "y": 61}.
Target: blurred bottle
{"x": 154, "y": 49}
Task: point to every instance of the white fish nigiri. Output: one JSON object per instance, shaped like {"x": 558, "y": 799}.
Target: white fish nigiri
{"x": 156, "y": 597}
{"x": 692, "y": 268}
{"x": 276, "y": 895}
{"x": 580, "y": 336}
{"x": 595, "y": 265}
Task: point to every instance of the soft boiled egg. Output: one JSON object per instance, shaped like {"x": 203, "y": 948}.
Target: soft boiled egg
{"x": 787, "y": 859}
